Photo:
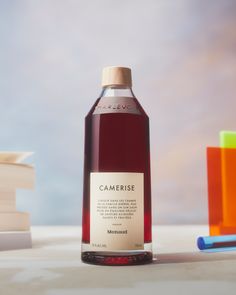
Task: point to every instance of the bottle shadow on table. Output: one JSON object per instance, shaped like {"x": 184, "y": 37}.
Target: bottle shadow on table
{"x": 191, "y": 257}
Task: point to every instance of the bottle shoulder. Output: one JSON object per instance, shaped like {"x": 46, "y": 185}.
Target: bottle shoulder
{"x": 93, "y": 108}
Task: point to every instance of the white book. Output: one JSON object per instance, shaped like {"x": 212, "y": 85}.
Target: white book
{"x": 7, "y": 194}
{"x": 7, "y": 200}
{"x": 15, "y": 240}
{"x": 13, "y": 175}
{"x": 14, "y": 221}
{"x": 16, "y": 175}
{"x": 7, "y": 206}
{"x": 14, "y": 157}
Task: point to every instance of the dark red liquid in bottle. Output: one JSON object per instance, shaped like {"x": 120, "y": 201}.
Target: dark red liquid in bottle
{"x": 117, "y": 142}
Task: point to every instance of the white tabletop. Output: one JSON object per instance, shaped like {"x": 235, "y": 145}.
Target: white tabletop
{"x": 53, "y": 266}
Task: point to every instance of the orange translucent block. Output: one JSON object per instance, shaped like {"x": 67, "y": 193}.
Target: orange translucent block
{"x": 215, "y": 214}
{"x": 221, "y": 173}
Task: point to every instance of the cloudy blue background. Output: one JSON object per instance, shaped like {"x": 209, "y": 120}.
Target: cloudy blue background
{"x": 183, "y": 57}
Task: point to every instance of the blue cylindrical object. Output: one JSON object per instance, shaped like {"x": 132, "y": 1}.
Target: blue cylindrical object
{"x": 212, "y": 242}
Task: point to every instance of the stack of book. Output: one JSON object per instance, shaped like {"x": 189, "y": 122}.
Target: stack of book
{"x": 14, "y": 225}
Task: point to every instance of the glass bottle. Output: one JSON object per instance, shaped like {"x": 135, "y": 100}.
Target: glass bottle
{"x": 116, "y": 222}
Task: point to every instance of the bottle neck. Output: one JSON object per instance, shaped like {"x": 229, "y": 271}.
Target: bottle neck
{"x": 115, "y": 90}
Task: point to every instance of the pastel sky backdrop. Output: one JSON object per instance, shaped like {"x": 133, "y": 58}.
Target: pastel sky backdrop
{"x": 183, "y": 57}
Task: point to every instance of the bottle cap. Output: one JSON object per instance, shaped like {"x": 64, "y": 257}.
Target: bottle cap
{"x": 116, "y": 76}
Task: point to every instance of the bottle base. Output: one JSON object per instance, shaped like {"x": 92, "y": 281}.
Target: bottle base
{"x": 101, "y": 258}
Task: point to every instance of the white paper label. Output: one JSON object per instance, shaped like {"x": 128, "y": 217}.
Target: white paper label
{"x": 116, "y": 211}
